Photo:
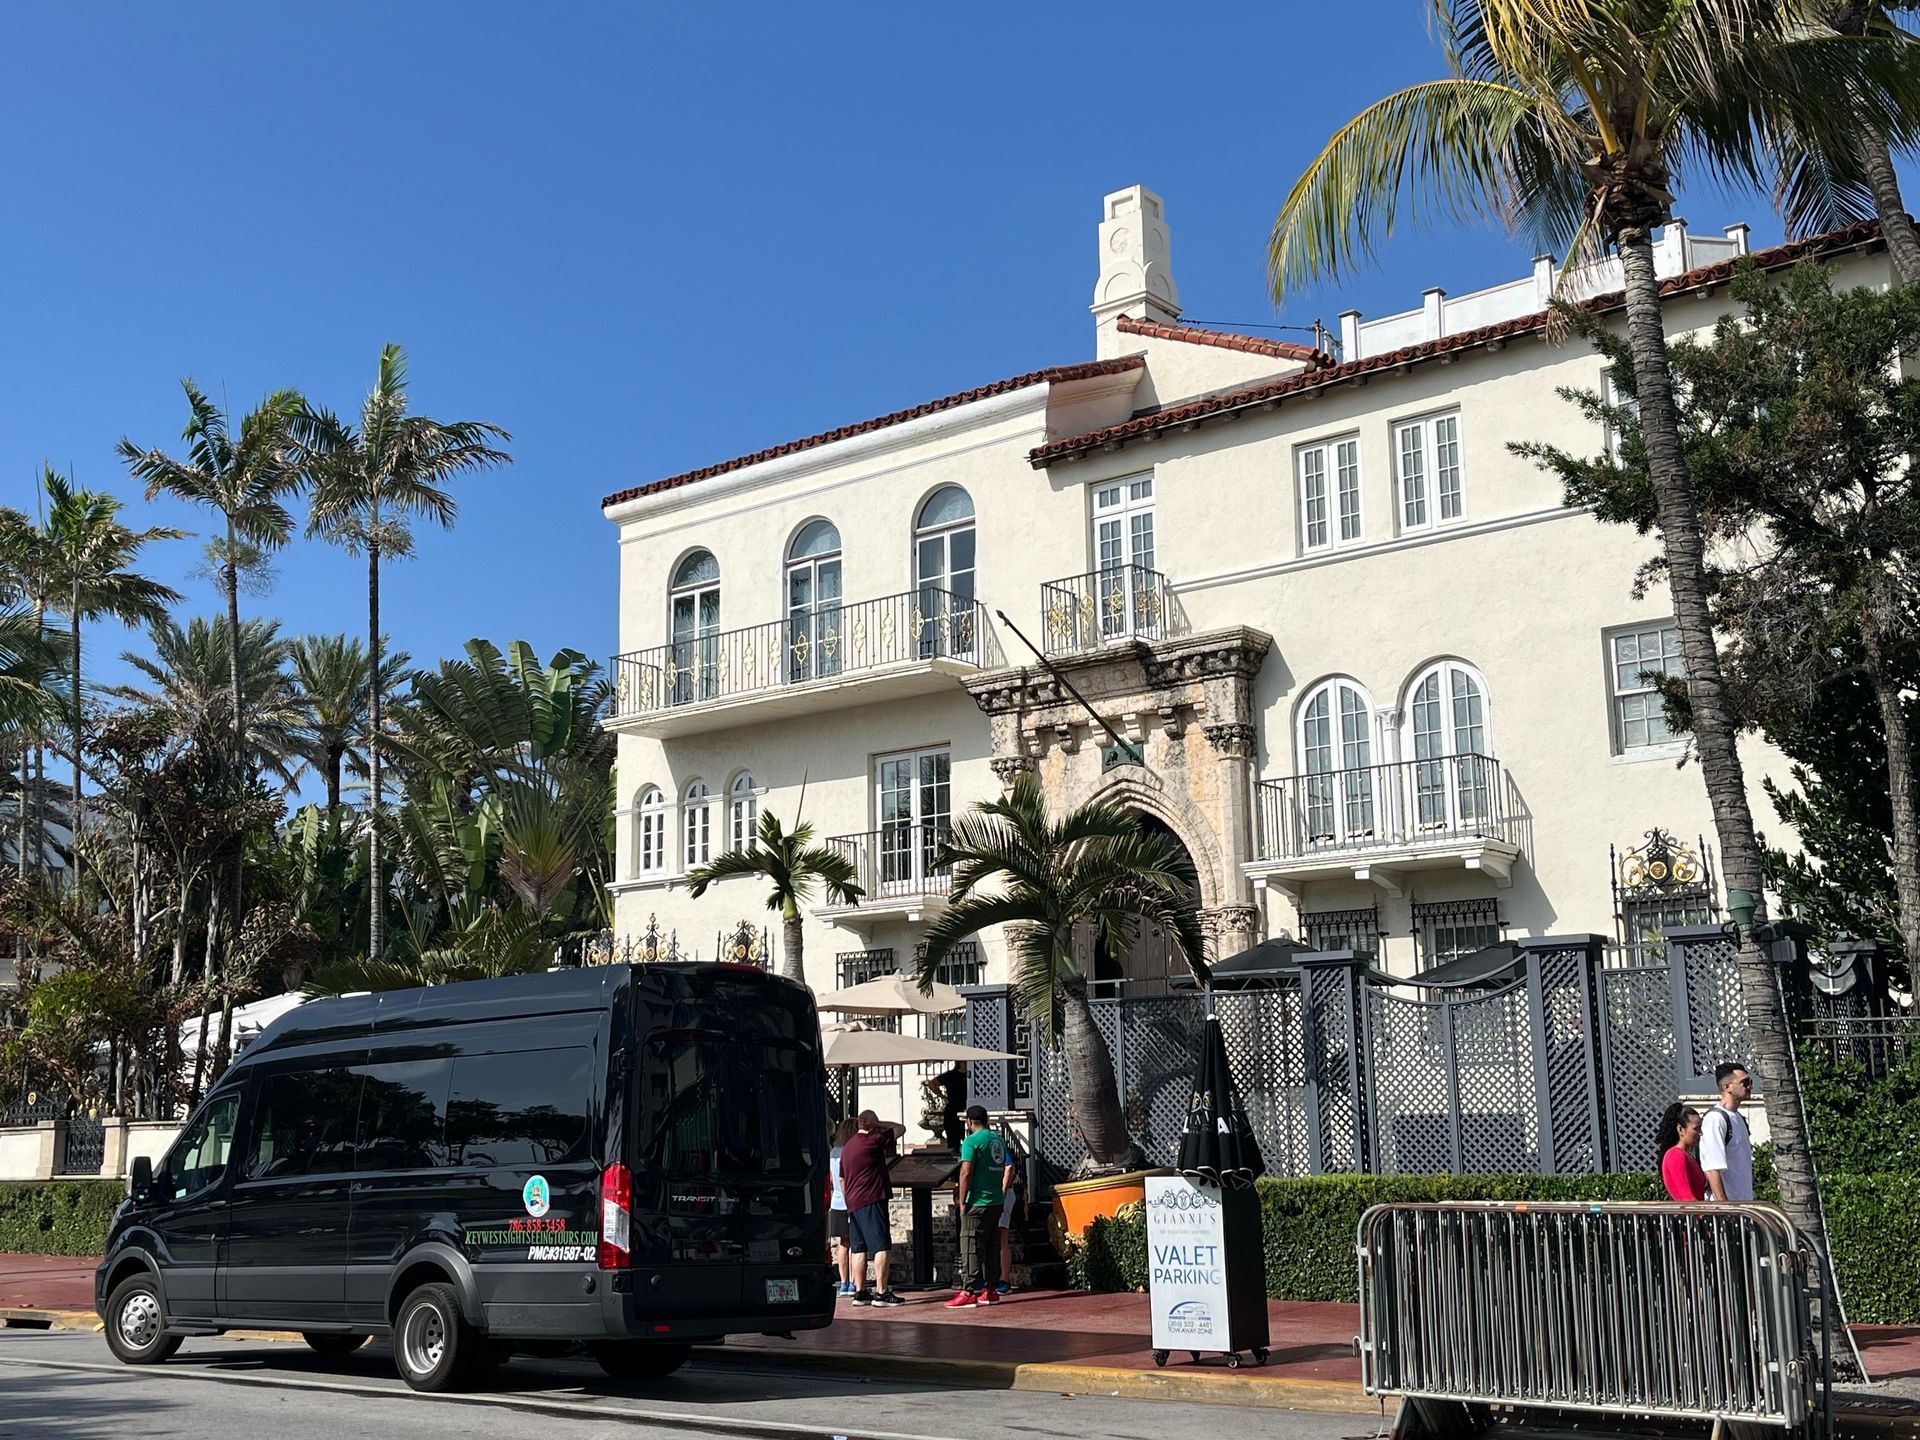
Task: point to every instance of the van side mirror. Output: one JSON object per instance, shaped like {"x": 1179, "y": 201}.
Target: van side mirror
{"x": 140, "y": 1180}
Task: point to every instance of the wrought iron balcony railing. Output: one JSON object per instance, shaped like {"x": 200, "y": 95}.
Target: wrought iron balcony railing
{"x": 827, "y": 643}
{"x": 897, "y": 861}
{"x": 1127, "y": 602}
{"x": 1401, "y": 806}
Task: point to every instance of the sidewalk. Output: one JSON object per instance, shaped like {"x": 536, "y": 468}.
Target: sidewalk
{"x": 1054, "y": 1340}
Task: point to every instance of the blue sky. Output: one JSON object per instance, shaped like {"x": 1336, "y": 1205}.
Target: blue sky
{"x": 639, "y": 237}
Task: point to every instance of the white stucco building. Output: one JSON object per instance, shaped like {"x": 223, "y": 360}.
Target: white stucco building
{"x": 1387, "y": 687}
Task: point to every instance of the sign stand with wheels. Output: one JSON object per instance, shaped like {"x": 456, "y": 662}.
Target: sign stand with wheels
{"x": 1206, "y": 1276}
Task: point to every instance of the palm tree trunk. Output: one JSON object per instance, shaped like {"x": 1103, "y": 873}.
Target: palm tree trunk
{"x": 375, "y": 891}
{"x": 1900, "y": 786}
{"x": 75, "y": 819}
{"x": 336, "y": 757}
{"x": 1903, "y": 242}
{"x": 793, "y": 960}
{"x": 1096, "y": 1093}
{"x": 1714, "y": 731}
{"x": 239, "y": 782}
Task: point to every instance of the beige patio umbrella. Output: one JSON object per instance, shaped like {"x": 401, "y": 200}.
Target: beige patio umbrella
{"x": 853, "y": 1044}
{"x": 897, "y": 994}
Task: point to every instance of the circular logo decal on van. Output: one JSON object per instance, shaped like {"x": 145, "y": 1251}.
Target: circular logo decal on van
{"x": 535, "y": 1197}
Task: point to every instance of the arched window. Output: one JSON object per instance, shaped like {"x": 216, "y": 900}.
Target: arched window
{"x": 814, "y": 642}
{"x": 1337, "y": 780}
{"x": 743, "y": 812}
{"x": 1447, "y": 739}
{"x": 943, "y": 570}
{"x": 696, "y": 825}
{"x": 650, "y": 832}
{"x": 694, "y": 606}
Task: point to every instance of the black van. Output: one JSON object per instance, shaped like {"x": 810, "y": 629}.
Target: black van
{"x": 629, "y": 1156}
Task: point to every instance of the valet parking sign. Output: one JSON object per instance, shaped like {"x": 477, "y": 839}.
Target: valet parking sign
{"x": 1187, "y": 1264}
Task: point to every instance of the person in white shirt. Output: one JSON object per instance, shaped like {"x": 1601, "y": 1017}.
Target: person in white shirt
{"x": 1726, "y": 1146}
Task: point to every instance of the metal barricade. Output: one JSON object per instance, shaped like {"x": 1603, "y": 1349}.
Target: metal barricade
{"x": 1688, "y": 1312}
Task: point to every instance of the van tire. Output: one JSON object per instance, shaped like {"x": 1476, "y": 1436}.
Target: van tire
{"x": 639, "y": 1359}
{"x": 434, "y": 1348}
{"x": 136, "y": 1323}
{"x": 332, "y": 1343}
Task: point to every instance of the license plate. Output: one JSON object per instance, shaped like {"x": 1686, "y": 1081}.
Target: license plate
{"x": 783, "y": 1292}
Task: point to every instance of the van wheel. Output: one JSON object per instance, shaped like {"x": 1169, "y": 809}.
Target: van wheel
{"x": 136, "y": 1328}
{"x": 639, "y": 1359}
{"x": 434, "y": 1349}
{"x": 328, "y": 1343}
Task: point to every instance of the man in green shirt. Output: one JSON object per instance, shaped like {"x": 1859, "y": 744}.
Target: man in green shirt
{"x": 985, "y": 1172}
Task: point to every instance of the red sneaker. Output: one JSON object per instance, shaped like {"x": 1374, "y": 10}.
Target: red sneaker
{"x": 961, "y": 1300}
{"x": 986, "y": 1298}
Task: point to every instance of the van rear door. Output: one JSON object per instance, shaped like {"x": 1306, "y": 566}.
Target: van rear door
{"x": 731, "y": 1111}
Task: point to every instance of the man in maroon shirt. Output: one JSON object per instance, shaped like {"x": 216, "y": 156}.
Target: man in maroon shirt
{"x": 863, "y": 1177}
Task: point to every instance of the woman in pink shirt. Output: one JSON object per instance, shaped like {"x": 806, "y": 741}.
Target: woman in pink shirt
{"x": 1679, "y": 1154}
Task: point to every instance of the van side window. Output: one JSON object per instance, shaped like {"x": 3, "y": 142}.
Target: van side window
{"x": 303, "y": 1124}
{"x": 199, "y": 1157}
{"x": 526, "y": 1107}
{"x": 403, "y": 1115}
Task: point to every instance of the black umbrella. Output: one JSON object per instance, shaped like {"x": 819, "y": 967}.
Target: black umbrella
{"x": 1270, "y": 963}
{"x": 1217, "y": 1145}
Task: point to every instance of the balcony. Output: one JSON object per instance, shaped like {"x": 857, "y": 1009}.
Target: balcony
{"x": 895, "y": 866}
{"x": 913, "y": 643}
{"x": 1381, "y": 822}
{"x": 1083, "y": 613}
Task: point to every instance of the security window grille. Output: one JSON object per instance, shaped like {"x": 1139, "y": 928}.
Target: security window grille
{"x": 1355, "y": 930}
{"x": 1645, "y": 920}
{"x": 1633, "y": 655}
{"x": 1329, "y": 494}
{"x": 964, "y": 965}
{"x": 1444, "y": 930}
{"x": 856, "y": 967}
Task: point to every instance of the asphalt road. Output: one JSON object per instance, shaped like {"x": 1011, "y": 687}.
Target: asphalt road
{"x": 67, "y": 1386}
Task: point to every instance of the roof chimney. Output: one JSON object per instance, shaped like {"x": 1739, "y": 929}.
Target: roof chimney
{"x": 1136, "y": 276}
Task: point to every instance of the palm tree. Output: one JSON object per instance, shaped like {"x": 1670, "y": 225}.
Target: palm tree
{"x": 90, "y": 556}
{"x": 190, "y": 674}
{"x": 1822, "y": 190}
{"x": 335, "y": 689}
{"x": 29, "y": 667}
{"x": 369, "y": 482}
{"x": 246, "y": 480}
{"x": 1095, "y": 868}
{"x": 1572, "y": 118}
{"x": 796, "y": 867}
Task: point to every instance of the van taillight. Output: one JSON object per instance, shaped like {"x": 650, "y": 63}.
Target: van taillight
{"x": 616, "y": 1217}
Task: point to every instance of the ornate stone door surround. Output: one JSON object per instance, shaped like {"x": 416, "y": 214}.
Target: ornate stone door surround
{"x": 1187, "y": 703}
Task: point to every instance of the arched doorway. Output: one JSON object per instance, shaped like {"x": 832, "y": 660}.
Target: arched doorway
{"x": 1148, "y": 963}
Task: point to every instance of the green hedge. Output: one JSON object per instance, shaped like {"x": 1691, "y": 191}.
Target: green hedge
{"x": 57, "y": 1217}
{"x": 1310, "y": 1224}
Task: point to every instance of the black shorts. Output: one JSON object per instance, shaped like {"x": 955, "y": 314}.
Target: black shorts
{"x": 837, "y": 1225}
{"x": 868, "y": 1230}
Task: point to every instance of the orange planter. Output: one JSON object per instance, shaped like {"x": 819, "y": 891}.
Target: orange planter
{"x": 1078, "y": 1203}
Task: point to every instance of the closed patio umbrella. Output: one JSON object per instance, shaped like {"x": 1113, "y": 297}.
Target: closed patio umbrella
{"x": 1217, "y": 1145}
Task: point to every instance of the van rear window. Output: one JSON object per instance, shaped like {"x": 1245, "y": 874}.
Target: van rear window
{"x": 727, "y": 1107}
{"x": 524, "y": 1107}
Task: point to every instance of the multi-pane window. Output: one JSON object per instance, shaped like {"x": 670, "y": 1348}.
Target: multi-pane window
{"x": 1447, "y": 720}
{"x": 1619, "y": 400}
{"x": 696, "y": 825}
{"x": 1329, "y": 494}
{"x": 695, "y": 605}
{"x": 913, "y": 800}
{"x": 650, "y": 831}
{"x": 1427, "y": 471}
{"x": 743, "y": 812}
{"x": 1336, "y": 756}
{"x": 1447, "y": 929}
{"x": 1634, "y": 657}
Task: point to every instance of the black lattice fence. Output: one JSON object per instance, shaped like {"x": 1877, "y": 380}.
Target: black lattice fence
{"x": 1564, "y": 1070}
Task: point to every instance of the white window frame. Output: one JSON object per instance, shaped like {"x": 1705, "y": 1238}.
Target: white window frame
{"x": 696, "y": 825}
{"x": 743, "y": 812}
{"x": 1338, "y": 461}
{"x": 651, "y": 815}
{"x": 1610, "y": 393}
{"x": 1616, "y": 692}
{"x": 1433, "y": 499}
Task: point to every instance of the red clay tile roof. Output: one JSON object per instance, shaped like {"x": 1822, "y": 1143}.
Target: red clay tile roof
{"x": 1194, "y": 411}
{"x": 1222, "y": 340}
{"x": 1054, "y": 375}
